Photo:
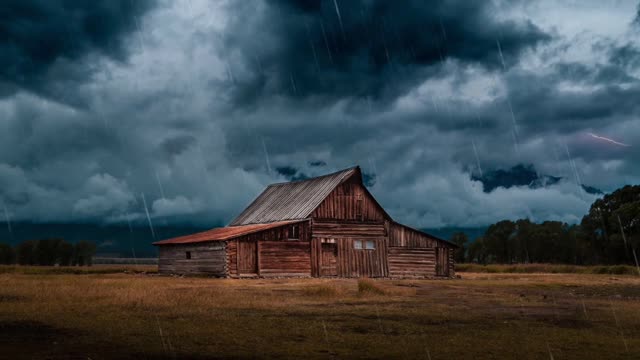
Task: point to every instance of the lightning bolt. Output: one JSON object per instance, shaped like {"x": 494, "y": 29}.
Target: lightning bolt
{"x": 608, "y": 140}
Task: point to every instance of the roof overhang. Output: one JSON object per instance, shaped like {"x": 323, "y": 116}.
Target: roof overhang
{"x": 225, "y": 233}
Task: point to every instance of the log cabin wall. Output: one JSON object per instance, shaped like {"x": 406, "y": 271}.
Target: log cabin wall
{"x": 333, "y": 228}
{"x": 275, "y": 253}
{"x": 415, "y": 254}
{"x": 207, "y": 258}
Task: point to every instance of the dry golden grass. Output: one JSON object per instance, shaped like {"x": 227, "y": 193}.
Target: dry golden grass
{"x": 481, "y": 316}
{"x": 550, "y": 269}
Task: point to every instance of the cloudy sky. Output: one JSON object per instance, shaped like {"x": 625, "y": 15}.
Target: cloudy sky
{"x": 190, "y": 108}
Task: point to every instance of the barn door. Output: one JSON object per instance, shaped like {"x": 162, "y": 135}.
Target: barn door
{"x": 442, "y": 261}
{"x": 328, "y": 261}
{"x": 247, "y": 257}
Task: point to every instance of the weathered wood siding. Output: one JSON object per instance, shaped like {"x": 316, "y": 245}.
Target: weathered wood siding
{"x": 285, "y": 258}
{"x": 413, "y": 254}
{"x": 275, "y": 254}
{"x": 206, "y": 258}
{"x": 412, "y": 263}
{"x": 350, "y": 262}
{"x": 336, "y": 237}
{"x": 402, "y": 236}
{"x": 331, "y": 228}
{"x": 349, "y": 201}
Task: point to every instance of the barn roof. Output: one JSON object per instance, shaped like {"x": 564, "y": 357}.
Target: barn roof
{"x": 426, "y": 234}
{"x": 292, "y": 200}
{"x": 223, "y": 233}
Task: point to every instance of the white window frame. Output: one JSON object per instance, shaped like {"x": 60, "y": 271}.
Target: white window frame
{"x": 358, "y": 245}
{"x": 369, "y": 245}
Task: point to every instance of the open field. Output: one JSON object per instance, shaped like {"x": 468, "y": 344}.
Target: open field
{"x": 133, "y": 315}
{"x": 549, "y": 269}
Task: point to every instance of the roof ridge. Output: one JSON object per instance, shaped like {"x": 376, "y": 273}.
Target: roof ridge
{"x": 292, "y": 199}
{"x": 315, "y": 177}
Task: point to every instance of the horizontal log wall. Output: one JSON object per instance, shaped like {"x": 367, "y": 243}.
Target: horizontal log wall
{"x": 349, "y": 201}
{"x": 284, "y": 258}
{"x": 291, "y": 254}
{"x": 412, "y": 263}
{"x": 206, "y": 258}
{"x": 404, "y": 252}
{"x": 329, "y": 229}
{"x": 232, "y": 258}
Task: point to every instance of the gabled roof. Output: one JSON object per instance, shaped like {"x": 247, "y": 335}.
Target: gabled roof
{"x": 292, "y": 200}
{"x": 223, "y": 233}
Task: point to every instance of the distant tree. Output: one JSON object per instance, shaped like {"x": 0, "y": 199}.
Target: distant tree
{"x": 477, "y": 252}
{"x": 459, "y": 239}
{"x": 498, "y": 240}
{"x": 522, "y": 246}
{"x": 47, "y": 251}
{"x": 84, "y": 252}
{"x": 612, "y": 226}
{"x": 26, "y": 252}
{"x": 64, "y": 253}
{"x": 7, "y": 254}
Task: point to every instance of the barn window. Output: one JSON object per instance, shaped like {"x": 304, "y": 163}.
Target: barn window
{"x": 357, "y": 244}
{"x": 294, "y": 232}
{"x": 370, "y": 245}
{"x": 188, "y": 254}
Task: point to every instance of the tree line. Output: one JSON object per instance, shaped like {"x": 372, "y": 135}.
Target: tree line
{"x": 608, "y": 234}
{"x": 48, "y": 252}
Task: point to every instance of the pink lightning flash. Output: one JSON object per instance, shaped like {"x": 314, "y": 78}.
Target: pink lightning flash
{"x": 607, "y": 140}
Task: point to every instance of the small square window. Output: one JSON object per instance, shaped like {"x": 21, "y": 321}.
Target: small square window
{"x": 188, "y": 254}
{"x": 294, "y": 232}
{"x": 357, "y": 244}
{"x": 370, "y": 245}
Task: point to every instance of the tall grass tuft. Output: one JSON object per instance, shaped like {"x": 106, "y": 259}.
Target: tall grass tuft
{"x": 367, "y": 287}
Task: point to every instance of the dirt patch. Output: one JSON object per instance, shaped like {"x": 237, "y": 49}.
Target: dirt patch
{"x": 30, "y": 339}
{"x": 36, "y": 340}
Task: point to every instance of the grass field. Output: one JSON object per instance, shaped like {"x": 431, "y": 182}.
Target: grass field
{"x": 106, "y": 312}
{"x": 549, "y": 269}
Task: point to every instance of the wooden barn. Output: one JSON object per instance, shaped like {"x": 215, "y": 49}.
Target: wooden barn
{"x": 328, "y": 226}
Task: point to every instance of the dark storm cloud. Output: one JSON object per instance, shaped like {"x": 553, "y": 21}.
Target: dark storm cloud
{"x": 413, "y": 92}
{"x": 602, "y": 94}
{"x": 41, "y": 40}
{"x": 177, "y": 145}
{"x": 626, "y": 56}
{"x": 376, "y": 49}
